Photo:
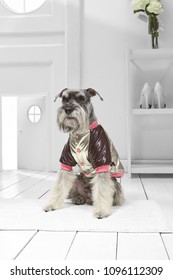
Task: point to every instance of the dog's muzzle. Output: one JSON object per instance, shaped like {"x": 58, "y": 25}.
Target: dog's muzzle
{"x": 72, "y": 117}
{"x": 67, "y": 120}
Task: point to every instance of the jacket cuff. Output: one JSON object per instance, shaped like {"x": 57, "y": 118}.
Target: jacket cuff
{"x": 117, "y": 175}
{"x": 66, "y": 167}
{"x": 100, "y": 169}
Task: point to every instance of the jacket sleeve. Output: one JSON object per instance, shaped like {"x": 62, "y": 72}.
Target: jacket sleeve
{"x": 66, "y": 159}
{"x": 99, "y": 153}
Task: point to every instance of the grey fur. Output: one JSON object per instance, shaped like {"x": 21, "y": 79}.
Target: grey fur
{"x": 81, "y": 191}
{"x": 118, "y": 196}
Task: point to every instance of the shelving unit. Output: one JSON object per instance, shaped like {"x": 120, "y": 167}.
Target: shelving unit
{"x": 168, "y": 111}
{"x": 152, "y": 167}
{"x": 150, "y": 131}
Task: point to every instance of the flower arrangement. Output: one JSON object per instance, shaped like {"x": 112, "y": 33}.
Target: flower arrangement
{"x": 152, "y": 8}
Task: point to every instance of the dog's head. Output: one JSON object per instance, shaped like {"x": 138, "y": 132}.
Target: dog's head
{"x": 76, "y": 112}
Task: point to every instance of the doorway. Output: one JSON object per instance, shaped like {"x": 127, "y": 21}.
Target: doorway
{"x": 9, "y": 132}
{"x": 24, "y": 133}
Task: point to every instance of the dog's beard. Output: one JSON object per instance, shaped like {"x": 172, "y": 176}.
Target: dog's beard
{"x": 77, "y": 121}
{"x": 69, "y": 125}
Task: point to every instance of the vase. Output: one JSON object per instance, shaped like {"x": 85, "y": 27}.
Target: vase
{"x": 153, "y": 30}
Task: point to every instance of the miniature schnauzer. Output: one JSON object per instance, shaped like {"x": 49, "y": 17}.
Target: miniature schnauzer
{"x": 91, "y": 149}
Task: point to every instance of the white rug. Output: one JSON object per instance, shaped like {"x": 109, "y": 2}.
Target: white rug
{"x": 136, "y": 216}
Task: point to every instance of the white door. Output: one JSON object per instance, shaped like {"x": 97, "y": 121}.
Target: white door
{"x": 31, "y": 133}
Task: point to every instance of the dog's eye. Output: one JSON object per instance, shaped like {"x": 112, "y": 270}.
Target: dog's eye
{"x": 65, "y": 99}
{"x": 81, "y": 98}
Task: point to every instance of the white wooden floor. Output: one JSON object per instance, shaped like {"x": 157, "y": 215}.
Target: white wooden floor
{"x": 22, "y": 245}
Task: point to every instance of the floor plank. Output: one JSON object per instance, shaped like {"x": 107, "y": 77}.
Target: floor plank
{"x": 48, "y": 246}
{"x": 39, "y": 189}
{"x": 45, "y": 196}
{"x": 93, "y": 246}
{"x": 8, "y": 178}
{"x": 140, "y": 246}
{"x": 160, "y": 188}
{"x": 23, "y": 185}
{"x": 168, "y": 241}
{"x": 132, "y": 187}
{"x": 11, "y": 242}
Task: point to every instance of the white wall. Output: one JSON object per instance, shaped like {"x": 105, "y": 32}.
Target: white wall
{"x": 0, "y": 134}
{"x": 109, "y": 28}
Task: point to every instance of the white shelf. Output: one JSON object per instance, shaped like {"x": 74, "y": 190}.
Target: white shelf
{"x": 148, "y": 65}
{"x": 161, "y": 168}
{"x": 150, "y": 54}
{"x": 165, "y": 111}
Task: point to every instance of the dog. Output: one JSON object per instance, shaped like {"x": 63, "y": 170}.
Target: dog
{"x": 91, "y": 149}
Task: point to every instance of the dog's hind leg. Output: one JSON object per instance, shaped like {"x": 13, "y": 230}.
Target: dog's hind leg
{"x": 61, "y": 190}
{"x": 81, "y": 191}
{"x": 76, "y": 198}
{"x": 103, "y": 192}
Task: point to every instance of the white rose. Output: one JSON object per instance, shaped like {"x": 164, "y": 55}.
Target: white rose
{"x": 155, "y": 7}
{"x": 139, "y": 4}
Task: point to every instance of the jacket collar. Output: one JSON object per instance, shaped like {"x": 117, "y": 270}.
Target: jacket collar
{"x": 93, "y": 125}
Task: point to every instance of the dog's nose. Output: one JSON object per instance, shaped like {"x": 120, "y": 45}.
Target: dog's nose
{"x": 68, "y": 111}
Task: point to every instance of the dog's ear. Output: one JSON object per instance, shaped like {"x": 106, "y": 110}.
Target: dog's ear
{"x": 59, "y": 94}
{"x": 93, "y": 92}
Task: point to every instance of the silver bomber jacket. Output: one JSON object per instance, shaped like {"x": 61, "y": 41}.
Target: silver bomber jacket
{"x": 93, "y": 152}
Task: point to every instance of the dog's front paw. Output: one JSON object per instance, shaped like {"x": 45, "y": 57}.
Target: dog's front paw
{"x": 48, "y": 208}
{"x": 51, "y": 207}
{"x": 101, "y": 214}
